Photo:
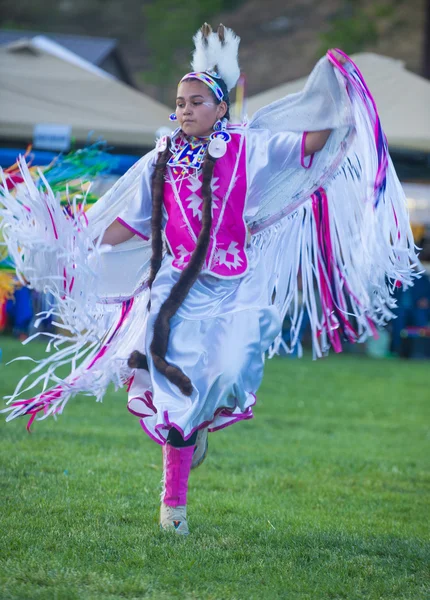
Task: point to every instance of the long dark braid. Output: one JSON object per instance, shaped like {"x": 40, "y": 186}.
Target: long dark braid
{"x": 187, "y": 278}
{"x": 157, "y": 190}
{"x": 137, "y": 360}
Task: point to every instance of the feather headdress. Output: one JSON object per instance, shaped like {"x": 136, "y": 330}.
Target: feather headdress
{"x": 217, "y": 52}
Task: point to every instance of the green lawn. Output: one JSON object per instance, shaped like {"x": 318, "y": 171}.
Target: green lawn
{"x": 323, "y": 495}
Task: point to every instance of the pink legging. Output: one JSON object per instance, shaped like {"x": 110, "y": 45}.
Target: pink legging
{"x": 177, "y": 466}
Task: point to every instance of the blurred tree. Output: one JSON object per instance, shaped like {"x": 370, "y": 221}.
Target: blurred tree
{"x": 426, "y": 47}
{"x": 356, "y": 26}
{"x": 170, "y": 27}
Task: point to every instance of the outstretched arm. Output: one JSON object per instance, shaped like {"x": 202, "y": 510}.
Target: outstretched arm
{"x": 116, "y": 233}
{"x": 315, "y": 141}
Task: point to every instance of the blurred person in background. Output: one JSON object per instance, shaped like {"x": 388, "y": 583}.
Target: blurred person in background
{"x": 412, "y": 311}
{"x": 19, "y": 312}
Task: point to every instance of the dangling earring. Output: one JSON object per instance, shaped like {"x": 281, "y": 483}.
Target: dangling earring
{"x": 221, "y": 124}
{"x": 173, "y": 117}
{"x": 219, "y": 139}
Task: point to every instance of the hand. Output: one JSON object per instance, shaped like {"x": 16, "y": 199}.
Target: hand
{"x": 338, "y": 56}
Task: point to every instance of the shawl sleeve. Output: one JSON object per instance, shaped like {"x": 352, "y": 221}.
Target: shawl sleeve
{"x": 123, "y": 271}
{"x": 137, "y": 216}
{"x": 99, "y": 292}
{"x": 335, "y": 236}
{"x": 268, "y": 153}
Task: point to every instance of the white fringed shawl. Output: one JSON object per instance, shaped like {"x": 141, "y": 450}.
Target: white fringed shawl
{"x": 340, "y": 227}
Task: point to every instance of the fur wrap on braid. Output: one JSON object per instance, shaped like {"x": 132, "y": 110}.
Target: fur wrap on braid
{"x": 187, "y": 277}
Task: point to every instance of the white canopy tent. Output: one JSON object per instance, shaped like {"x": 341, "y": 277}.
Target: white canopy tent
{"x": 402, "y": 98}
{"x": 39, "y": 87}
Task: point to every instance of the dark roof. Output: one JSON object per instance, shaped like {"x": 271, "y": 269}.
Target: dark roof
{"x": 92, "y": 49}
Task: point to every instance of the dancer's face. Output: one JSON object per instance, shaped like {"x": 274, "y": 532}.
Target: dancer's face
{"x": 196, "y": 108}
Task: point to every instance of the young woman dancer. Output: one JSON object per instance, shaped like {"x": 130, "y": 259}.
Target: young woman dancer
{"x": 233, "y": 214}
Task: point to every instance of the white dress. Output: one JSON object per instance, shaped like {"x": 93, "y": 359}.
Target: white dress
{"x": 220, "y": 333}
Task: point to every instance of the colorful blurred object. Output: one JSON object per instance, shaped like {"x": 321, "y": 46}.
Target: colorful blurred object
{"x": 7, "y": 285}
{"x": 70, "y": 176}
{"x": 240, "y": 105}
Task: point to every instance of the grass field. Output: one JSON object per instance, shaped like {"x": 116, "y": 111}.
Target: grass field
{"x": 323, "y": 495}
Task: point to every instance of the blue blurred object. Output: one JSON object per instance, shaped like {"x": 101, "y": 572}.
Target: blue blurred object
{"x": 286, "y": 335}
{"x": 412, "y": 311}
{"x": 20, "y": 310}
{"x": 8, "y": 156}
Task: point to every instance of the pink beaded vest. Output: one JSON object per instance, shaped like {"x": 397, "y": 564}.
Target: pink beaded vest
{"x": 226, "y": 256}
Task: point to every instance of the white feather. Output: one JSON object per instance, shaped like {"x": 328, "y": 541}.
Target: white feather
{"x": 216, "y": 55}
{"x": 213, "y": 51}
{"x": 227, "y": 60}
{"x": 199, "y": 62}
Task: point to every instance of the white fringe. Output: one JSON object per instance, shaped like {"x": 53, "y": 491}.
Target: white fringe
{"x": 373, "y": 248}
{"x": 55, "y": 252}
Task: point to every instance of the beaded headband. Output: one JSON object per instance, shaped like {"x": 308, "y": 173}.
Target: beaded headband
{"x": 207, "y": 80}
